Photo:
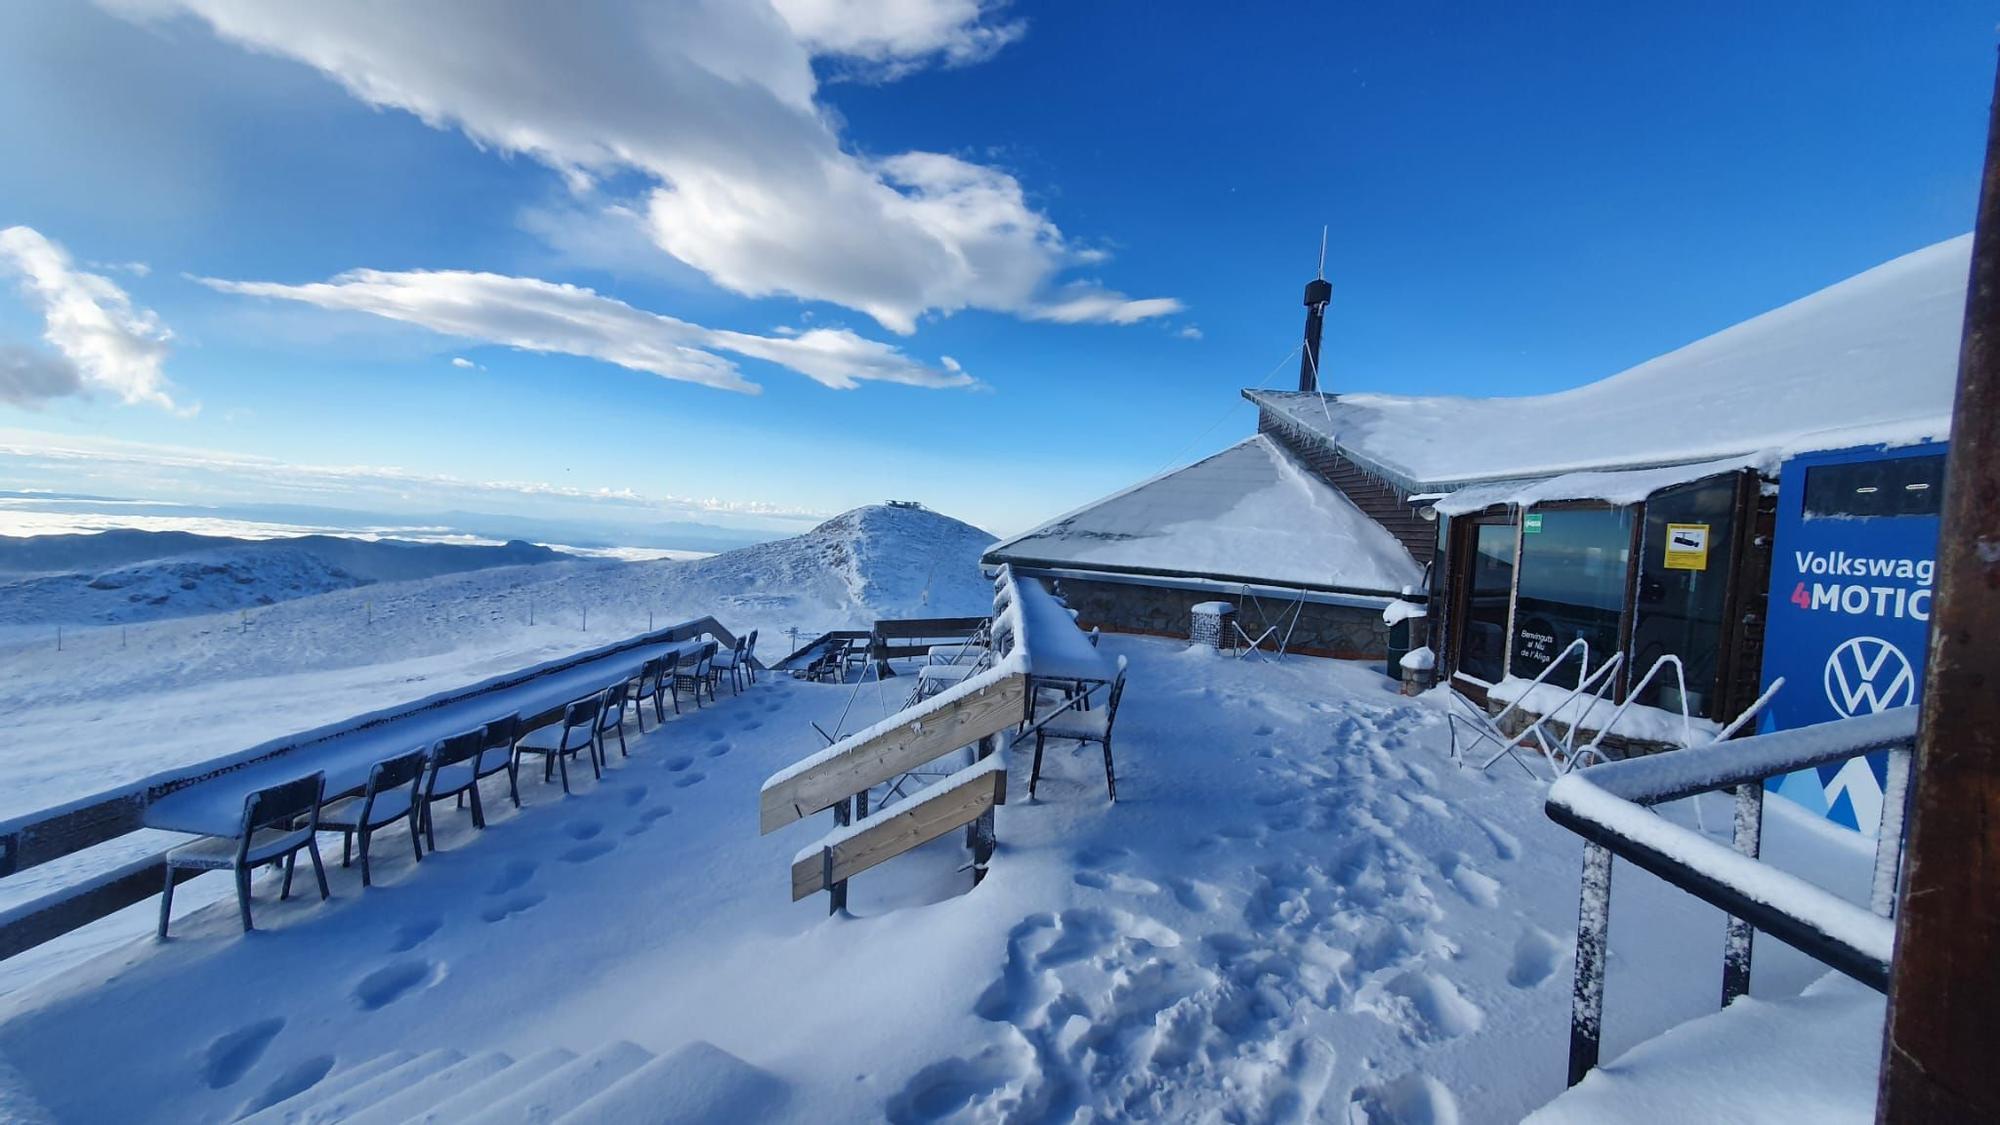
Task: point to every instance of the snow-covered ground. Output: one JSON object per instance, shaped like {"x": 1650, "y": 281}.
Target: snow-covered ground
{"x": 114, "y": 705}
{"x": 1297, "y": 910}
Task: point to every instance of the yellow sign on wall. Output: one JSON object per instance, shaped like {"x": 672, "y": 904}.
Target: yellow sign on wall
{"x": 1687, "y": 546}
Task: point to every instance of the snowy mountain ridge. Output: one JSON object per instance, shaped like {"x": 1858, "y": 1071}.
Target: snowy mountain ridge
{"x": 129, "y": 576}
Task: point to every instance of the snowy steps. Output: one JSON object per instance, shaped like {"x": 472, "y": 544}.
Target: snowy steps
{"x": 621, "y": 1081}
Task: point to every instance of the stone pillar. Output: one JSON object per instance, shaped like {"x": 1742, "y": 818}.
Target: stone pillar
{"x": 1211, "y": 623}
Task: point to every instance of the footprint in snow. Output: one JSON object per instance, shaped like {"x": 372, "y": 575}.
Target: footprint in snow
{"x": 513, "y": 877}
{"x": 687, "y": 779}
{"x": 584, "y": 853}
{"x": 633, "y": 795}
{"x": 300, "y": 1077}
{"x": 391, "y": 983}
{"x": 1414, "y": 1099}
{"x": 719, "y": 749}
{"x": 676, "y": 765}
{"x": 510, "y": 907}
{"x": 230, "y": 1056}
{"x": 1535, "y": 957}
{"x": 412, "y": 934}
{"x": 583, "y": 829}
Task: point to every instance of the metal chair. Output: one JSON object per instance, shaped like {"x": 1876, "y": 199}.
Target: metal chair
{"x": 1084, "y": 727}
{"x": 454, "y": 772}
{"x": 496, "y": 753}
{"x": 611, "y": 717}
{"x": 695, "y": 674}
{"x": 269, "y": 831}
{"x": 731, "y": 662}
{"x": 558, "y": 742}
{"x": 644, "y": 687}
{"x": 670, "y": 668}
{"x": 389, "y": 796}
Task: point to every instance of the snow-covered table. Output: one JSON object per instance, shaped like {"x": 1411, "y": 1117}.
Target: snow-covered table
{"x": 1056, "y": 648}
{"x": 215, "y": 807}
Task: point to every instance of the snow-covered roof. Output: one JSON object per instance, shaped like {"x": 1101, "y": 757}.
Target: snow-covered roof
{"x": 1872, "y": 359}
{"x": 1247, "y": 513}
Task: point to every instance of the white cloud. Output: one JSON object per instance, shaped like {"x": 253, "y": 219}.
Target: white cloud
{"x": 714, "y": 103}
{"x": 1077, "y": 306}
{"x": 1189, "y": 332}
{"x": 103, "y": 342}
{"x": 463, "y": 363}
{"x": 544, "y": 316}
{"x": 136, "y": 269}
{"x": 897, "y": 35}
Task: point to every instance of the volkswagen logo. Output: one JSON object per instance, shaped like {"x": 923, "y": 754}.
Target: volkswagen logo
{"x": 1868, "y": 674}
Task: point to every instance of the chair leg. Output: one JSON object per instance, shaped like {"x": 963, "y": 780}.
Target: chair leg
{"x": 319, "y": 869}
{"x": 166, "y": 902}
{"x": 1035, "y": 774}
{"x": 478, "y": 811}
{"x": 346, "y": 847}
{"x": 416, "y": 846}
{"x": 623, "y": 752}
{"x": 1110, "y": 780}
{"x": 366, "y": 878}
{"x": 430, "y": 829}
{"x": 597, "y": 756}
{"x": 285, "y": 888}
{"x": 675, "y": 691}
{"x": 562, "y": 762}
{"x": 243, "y": 895}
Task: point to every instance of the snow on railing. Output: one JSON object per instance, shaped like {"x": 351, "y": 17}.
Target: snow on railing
{"x": 1610, "y": 807}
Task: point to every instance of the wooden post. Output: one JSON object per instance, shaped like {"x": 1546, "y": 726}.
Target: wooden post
{"x": 1944, "y": 986}
{"x": 980, "y": 835}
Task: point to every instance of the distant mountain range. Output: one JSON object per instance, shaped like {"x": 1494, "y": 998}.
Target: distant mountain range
{"x": 682, "y": 535}
{"x": 123, "y": 576}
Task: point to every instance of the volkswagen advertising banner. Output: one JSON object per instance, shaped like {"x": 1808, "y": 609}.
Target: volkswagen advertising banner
{"x": 1852, "y": 568}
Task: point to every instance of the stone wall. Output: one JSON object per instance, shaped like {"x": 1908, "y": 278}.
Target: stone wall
{"x": 1347, "y": 632}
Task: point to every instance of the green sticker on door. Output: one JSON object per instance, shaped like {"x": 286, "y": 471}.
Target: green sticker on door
{"x": 1531, "y": 523}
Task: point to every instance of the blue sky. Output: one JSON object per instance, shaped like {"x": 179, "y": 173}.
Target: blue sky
{"x": 1097, "y": 215}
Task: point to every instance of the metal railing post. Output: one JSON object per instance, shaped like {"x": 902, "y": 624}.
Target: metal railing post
{"x": 1889, "y": 834}
{"x": 1593, "y": 934}
{"x": 1740, "y": 935}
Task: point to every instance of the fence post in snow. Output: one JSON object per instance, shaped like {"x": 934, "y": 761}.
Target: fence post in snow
{"x": 980, "y": 835}
{"x": 1593, "y": 931}
{"x": 1740, "y": 935}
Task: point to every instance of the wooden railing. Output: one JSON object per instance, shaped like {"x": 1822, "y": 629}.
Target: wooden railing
{"x": 971, "y": 713}
{"x": 48, "y": 834}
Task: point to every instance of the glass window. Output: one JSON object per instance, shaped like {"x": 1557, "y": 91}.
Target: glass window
{"x": 1893, "y": 486}
{"x": 1573, "y": 572}
{"x": 1682, "y": 590}
{"x": 1484, "y": 640}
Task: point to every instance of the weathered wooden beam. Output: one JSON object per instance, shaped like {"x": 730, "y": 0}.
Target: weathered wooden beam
{"x": 32, "y": 923}
{"x": 950, "y": 721}
{"x": 950, "y": 804}
{"x": 1937, "y": 1059}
